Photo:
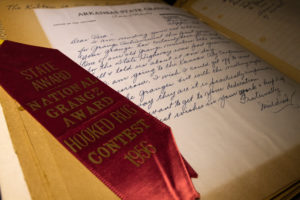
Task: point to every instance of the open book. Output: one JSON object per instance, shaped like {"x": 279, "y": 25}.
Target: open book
{"x": 267, "y": 28}
{"x": 234, "y": 117}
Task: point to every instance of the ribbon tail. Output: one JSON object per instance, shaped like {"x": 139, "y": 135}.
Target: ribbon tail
{"x": 192, "y": 173}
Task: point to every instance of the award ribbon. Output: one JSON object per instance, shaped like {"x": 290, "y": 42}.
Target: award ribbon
{"x": 130, "y": 151}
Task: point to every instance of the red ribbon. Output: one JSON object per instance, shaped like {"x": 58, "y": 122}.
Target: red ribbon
{"x": 133, "y": 153}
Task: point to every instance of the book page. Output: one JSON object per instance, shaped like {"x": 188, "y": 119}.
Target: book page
{"x": 230, "y": 112}
{"x": 19, "y": 24}
{"x": 271, "y": 26}
{"x": 11, "y": 176}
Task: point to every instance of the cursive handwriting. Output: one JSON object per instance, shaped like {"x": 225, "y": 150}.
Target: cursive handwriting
{"x": 16, "y": 6}
{"x": 280, "y": 103}
{"x": 180, "y": 68}
{"x": 263, "y": 8}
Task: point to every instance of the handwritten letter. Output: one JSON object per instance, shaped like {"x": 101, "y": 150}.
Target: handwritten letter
{"x": 187, "y": 75}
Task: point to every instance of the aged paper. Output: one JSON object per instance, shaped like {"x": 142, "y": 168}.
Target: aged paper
{"x": 11, "y": 176}
{"x": 230, "y": 112}
{"x": 19, "y": 23}
{"x": 268, "y": 28}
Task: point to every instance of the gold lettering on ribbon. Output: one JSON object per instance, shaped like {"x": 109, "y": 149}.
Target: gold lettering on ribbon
{"x": 111, "y": 147}
{"x": 123, "y": 114}
{"x": 89, "y": 135}
{"x": 140, "y": 152}
{"x": 50, "y": 80}
{"x": 37, "y": 71}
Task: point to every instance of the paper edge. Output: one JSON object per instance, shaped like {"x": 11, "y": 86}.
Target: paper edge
{"x": 11, "y": 175}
